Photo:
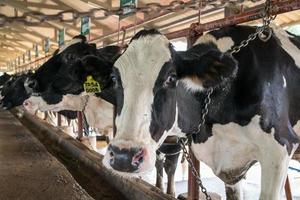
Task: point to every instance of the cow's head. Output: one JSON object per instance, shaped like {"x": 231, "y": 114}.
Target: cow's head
{"x": 5, "y": 77}
{"x": 13, "y": 92}
{"x": 64, "y": 58}
{"x": 67, "y": 56}
{"x": 65, "y": 89}
{"x": 145, "y": 82}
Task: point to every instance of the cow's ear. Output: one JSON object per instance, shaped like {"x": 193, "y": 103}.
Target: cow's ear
{"x": 97, "y": 67}
{"x": 110, "y": 53}
{"x": 201, "y": 71}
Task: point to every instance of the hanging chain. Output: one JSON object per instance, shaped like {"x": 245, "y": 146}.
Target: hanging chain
{"x": 85, "y": 123}
{"x": 207, "y": 102}
{"x": 34, "y": 18}
{"x": 194, "y": 171}
{"x": 183, "y": 142}
{"x": 268, "y": 17}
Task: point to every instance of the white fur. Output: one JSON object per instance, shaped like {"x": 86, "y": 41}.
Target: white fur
{"x": 69, "y": 102}
{"x": 191, "y": 85}
{"x": 286, "y": 44}
{"x": 99, "y": 113}
{"x": 232, "y": 146}
{"x": 284, "y": 81}
{"x": 223, "y": 44}
{"x": 297, "y": 128}
{"x": 74, "y": 41}
{"x": 139, "y": 67}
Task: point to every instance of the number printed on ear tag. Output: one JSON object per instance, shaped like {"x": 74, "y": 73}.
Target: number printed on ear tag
{"x": 91, "y": 86}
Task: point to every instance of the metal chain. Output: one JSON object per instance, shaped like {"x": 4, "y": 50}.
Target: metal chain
{"x": 267, "y": 19}
{"x": 194, "y": 171}
{"x": 85, "y": 123}
{"x": 205, "y": 110}
{"x": 34, "y": 18}
{"x": 184, "y": 141}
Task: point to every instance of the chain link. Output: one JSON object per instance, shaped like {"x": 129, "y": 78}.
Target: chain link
{"x": 267, "y": 19}
{"x": 194, "y": 171}
{"x": 184, "y": 141}
{"x": 205, "y": 110}
{"x": 34, "y": 18}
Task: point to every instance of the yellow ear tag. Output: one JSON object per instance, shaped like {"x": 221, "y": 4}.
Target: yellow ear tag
{"x": 91, "y": 86}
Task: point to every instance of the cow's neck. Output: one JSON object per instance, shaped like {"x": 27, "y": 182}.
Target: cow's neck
{"x": 190, "y": 105}
{"x": 99, "y": 113}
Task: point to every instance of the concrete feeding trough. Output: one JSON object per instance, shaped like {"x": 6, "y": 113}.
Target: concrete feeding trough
{"x": 86, "y": 165}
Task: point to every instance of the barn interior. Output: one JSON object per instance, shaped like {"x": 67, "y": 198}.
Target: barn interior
{"x": 44, "y": 155}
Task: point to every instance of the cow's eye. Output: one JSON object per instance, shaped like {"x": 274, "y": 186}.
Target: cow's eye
{"x": 171, "y": 80}
{"x": 114, "y": 78}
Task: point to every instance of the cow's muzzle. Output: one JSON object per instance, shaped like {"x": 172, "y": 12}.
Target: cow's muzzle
{"x": 126, "y": 160}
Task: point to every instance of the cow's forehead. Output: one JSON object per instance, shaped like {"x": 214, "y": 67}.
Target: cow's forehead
{"x": 73, "y": 41}
{"x": 143, "y": 59}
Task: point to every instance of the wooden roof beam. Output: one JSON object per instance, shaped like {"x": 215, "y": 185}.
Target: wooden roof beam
{"x": 34, "y": 33}
{"x": 97, "y": 3}
{"x": 16, "y": 45}
{"x": 42, "y": 5}
{"x": 2, "y": 38}
{"x": 78, "y": 8}
{"x": 57, "y": 25}
{"x": 9, "y": 47}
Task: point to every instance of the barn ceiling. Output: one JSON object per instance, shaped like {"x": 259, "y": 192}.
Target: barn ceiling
{"x": 16, "y": 38}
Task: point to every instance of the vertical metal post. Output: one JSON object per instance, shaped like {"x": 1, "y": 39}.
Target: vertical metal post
{"x": 287, "y": 189}
{"x": 80, "y": 127}
{"x": 58, "y": 119}
{"x": 193, "y": 188}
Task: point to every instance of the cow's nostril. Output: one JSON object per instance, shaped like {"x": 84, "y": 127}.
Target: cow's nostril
{"x": 111, "y": 154}
{"x": 26, "y": 103}
{"x": 126, "y": 159}
{"x": 138, "y": 158}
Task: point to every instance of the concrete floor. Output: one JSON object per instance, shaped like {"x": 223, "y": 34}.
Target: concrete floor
{"x": 28, "y": 171}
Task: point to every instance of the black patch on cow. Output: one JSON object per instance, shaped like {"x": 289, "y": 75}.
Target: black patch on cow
{"x": 113, "y": 93}
{"x": 68, "y": 114}
{"x": 5, "y": 77}
{"x": 82, "y": 37}
{"x": 164, "y": 103}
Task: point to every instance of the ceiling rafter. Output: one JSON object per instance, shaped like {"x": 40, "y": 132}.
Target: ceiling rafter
{"x": 86, "y": 7}
{"x": 42, "y": 5}
{"x": 97, "y": 3}
{"x": 57, "y": 25}
{"x": 16, "y": 45}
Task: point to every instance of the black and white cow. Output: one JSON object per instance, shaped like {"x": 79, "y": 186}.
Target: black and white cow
{"x": 3, "y": 78}
{"x": 13, "y": 92}
{"x": 65, "y": 91}
{"x": 253, "y": 110}
{"x": 62, "y": 91}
